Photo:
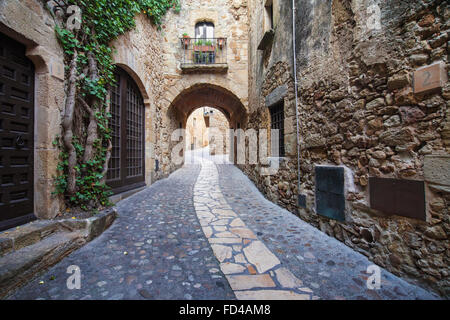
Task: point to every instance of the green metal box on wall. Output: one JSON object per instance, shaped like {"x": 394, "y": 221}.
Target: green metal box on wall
{"x": 330, "y": 193}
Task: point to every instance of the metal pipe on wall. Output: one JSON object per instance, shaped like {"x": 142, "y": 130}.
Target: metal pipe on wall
{"x": 301, "y": 198}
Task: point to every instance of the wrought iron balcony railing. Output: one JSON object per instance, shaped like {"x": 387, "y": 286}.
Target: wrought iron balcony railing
{"x": 203, "y": 54}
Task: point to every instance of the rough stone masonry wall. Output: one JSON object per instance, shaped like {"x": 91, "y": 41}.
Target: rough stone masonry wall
{"x": 281, "y": 187}
{"x": 268, "y": 70}
{"x": 358, "y": 110}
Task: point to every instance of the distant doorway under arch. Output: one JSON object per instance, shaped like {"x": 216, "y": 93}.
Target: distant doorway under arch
{"x": 208, "y": 127}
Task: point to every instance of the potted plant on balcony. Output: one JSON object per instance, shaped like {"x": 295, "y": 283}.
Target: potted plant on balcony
{"x": 204, "y": 46}
{"x": 221, "y": 42}
{"x": 186, "y": 40}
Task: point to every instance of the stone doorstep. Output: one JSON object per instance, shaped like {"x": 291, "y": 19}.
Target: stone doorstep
{"x": 20, "y": 266}
{"x": 26, "y": 235}
{"x": 34, "y": 247}
{"x": 126, "y": 194}
{"x": 35, "y": 231}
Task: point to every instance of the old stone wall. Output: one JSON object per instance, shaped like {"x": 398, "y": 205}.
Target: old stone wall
{"x": 196, "y": 130}
{"x": 231, "y": 22}
{"x": 218, "y": 132}
{"x": 358, "y": 110}
{"x": 29, "y": 23}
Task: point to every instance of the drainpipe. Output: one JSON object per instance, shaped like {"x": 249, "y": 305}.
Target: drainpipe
{"x": 301, "y": 198}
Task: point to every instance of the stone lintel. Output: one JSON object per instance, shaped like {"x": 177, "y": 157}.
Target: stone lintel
{"x": 276, "y": 95}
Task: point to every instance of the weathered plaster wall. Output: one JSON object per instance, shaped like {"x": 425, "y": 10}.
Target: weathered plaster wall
{"x": 29, "y": 23}
{"x": 358, "y": 110}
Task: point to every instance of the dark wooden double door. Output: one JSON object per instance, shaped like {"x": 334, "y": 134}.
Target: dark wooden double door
{"x": 126, "y": 169}
{"x": 16, "y": 134}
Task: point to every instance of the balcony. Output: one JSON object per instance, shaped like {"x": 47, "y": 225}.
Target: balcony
{"x": 204, "y": 55}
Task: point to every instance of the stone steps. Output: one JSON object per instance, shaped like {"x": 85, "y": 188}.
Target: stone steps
{"x": 18, "y": 267}
{"x": 29, "y": 250}
{"x": 20, "y": 237}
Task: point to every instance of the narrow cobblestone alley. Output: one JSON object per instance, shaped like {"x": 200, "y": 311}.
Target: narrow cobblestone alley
{"x": 207, "y": 233}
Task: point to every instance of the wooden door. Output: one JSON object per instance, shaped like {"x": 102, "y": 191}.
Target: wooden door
{"x": 16, "y": 134}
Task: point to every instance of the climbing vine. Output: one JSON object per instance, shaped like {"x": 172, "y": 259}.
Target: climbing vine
{"x": 85, "y": 143}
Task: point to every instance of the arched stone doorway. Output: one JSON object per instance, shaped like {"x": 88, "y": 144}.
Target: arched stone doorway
{"x": 214, "y": 96}
{"x": 210, "y": 95}
{"x": 126, "y": 168}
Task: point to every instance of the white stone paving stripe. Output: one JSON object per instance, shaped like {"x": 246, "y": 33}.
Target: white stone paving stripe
{"x": 251, "y": 269}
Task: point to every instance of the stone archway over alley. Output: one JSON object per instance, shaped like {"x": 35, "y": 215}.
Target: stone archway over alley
{"x": 206, "y": 232}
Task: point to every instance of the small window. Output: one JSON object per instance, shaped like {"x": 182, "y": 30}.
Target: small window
{"x": 277, "y": 122}
{"x": 204, "y": 30}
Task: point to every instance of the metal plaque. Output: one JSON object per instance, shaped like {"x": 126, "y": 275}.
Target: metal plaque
{"x": 398, "y": 197}
{"x": 330, "y": 195}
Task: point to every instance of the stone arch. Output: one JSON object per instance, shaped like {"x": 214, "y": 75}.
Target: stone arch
{"x": 210, "y": 95}
{"x": 183, "y": 101}
{"x": 204, "y": 19}
{"x": 134, "y": 69}
{"x": 137, "y": 79}
{"x": 220, "y": 110}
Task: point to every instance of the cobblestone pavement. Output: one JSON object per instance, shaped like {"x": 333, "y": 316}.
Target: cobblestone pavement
{"x": 330, "y": 268}
{"x": 207, "y": 233}
{"x": 252, "y": 270}
{"x": 155, "y": 249}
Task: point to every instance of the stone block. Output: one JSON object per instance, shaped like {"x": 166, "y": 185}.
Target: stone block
{"x": 100, "y": 223}
{"x": 6, "y": 246}
{"x": 437, "y": 169}
{"x": 315, "y": 141}
{"x": 430, "y": 77}
{"x": 244, "y": 282}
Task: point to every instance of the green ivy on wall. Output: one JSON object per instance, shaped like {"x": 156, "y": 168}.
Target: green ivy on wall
{"x": 85, "y": 143}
